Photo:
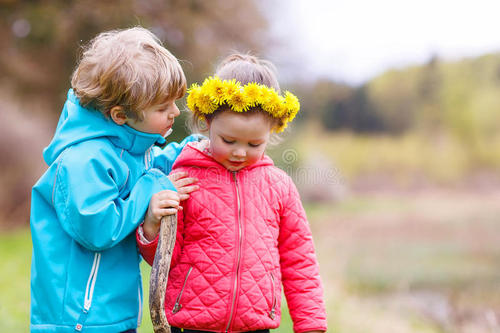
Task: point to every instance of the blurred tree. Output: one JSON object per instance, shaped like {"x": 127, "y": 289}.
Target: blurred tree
{"x": 394, "y": 95}
{"x": 471, "y": 105}
{"x": 314, "y": 96}
{"x": 353, "y": 111}
{"x": 41, "y": 42}
{"x": 429, "y": 100}
{"x": 41, "y": 39}
{"x": 338, "y": 106}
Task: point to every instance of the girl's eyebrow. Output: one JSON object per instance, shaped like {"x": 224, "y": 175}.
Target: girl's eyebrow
{"x": 229, "y": 137}
{"x": 225, "y": 136}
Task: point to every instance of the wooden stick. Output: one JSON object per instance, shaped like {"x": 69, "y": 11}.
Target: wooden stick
{"x": 159, "y": 273}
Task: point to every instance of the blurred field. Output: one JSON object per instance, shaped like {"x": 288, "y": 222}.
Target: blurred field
{"x": 420, "y": 261}
{"x": 425, "y": 260}
{"x": 403, "y": 161}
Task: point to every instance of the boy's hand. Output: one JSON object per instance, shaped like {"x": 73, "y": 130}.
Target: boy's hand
{"x": 161, "y": 204}
{"x": 183, "y": 183}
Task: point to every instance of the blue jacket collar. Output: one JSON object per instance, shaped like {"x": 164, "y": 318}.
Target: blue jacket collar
{"x": 78, "y": 124}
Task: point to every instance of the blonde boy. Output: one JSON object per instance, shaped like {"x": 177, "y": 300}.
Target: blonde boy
{"x": 105, "y": 176}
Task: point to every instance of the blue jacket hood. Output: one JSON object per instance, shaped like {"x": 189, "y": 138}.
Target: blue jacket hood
{"x": 78, "y": 124}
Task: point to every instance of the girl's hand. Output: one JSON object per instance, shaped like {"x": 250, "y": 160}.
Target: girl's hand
{"x": 161, "y": 204}
{"x": 183, "y": 183}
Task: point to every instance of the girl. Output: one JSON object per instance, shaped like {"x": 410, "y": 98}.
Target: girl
{"x": 244, "y": 233}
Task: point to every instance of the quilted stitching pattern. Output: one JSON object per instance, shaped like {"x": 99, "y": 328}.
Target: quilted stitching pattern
{"x": 276, "y": 247}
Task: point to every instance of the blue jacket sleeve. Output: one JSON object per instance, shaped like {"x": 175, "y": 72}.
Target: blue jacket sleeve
{"x": 164, "y": 158}
{"x": 89, "y": 207}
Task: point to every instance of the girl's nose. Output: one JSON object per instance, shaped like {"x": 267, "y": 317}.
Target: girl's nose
{"x": 239, "y": 153}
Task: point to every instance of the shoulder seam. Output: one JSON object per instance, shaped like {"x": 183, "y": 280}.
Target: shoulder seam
{"x": 57, "y": 173}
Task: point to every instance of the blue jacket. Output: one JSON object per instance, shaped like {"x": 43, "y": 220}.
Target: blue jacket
{"x": 84, "y": 210}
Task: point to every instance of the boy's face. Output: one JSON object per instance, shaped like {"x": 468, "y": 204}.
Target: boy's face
{"x": 157, "y": 119}
{"x": 238, "y": 140}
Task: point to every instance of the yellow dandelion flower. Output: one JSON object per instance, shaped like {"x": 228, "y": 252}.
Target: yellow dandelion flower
{"x": 215, "y": 92}
{"x": 230, "y": 87}
{"x": 252, "y": 91}
{"x": 292, "y": 105}
{"x": 280, "y": 111}
{"x": 193, "y": 93}
{"x": 215, "y": 88}
{"x": 239, "y": 101}
{"x": 273, "y": 104}
{"x": 291, "y": 102}
{"x": 265, "y": 95}
{"x": 205, "y": 103}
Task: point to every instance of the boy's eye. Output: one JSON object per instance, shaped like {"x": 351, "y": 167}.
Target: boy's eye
{"x": 254, "y": 145}
{"x": 227, "y": 141}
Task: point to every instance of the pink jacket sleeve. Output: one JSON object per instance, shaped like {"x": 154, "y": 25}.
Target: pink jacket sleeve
{"x": 148, "y": 250}
{"x": 299, "y": 267}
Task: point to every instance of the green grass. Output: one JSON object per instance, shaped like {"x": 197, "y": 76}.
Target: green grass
{"x": 15, "y": 254}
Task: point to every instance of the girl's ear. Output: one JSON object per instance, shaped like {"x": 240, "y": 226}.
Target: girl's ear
{"x": 118, "y": 115}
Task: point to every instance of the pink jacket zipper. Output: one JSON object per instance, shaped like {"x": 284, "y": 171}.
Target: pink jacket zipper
{"x": 240, "y": 235}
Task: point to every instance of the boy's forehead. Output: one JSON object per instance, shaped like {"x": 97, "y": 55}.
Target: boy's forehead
{"x": 165, "y": 101}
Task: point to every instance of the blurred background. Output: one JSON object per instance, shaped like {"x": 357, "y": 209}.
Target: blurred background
{"x": 396, "y": 150}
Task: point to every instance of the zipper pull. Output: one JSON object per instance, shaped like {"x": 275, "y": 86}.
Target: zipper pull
{"x": 177, "y": 307}
{"x": 272, "y": 314}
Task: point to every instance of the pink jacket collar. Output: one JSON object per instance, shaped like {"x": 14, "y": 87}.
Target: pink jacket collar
{"x": 197, "y": 154}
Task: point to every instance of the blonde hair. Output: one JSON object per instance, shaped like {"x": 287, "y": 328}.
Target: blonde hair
{"x": 128, "y": 68}
{"x": 243, "y": 68}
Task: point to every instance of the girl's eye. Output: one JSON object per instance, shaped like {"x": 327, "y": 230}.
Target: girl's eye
{"x": 254, "y": 145}
{"x": 227, "y": 141}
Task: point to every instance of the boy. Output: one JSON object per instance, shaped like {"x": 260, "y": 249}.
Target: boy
{"x": 104, "y": 179}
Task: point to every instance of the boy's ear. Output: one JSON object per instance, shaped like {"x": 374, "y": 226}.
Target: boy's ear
{"x": 118, "y": 115}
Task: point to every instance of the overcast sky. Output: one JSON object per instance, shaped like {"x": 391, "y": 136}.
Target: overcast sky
{"x": 354, "y": 40}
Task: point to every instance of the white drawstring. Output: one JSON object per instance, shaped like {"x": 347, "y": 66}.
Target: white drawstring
{"x": 89, "y": 291}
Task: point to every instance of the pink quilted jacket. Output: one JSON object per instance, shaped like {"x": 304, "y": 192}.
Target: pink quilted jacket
{"x": 240, "y": 237}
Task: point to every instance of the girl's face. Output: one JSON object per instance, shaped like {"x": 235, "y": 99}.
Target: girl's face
{"x": 157, "y": 119}
{"x": 238, "y": 140}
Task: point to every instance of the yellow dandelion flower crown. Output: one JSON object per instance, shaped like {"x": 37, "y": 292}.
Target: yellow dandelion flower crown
{"x": 214, "y": 92}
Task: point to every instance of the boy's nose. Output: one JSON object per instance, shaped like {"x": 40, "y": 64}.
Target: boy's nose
{"x": 175, "y": 112}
